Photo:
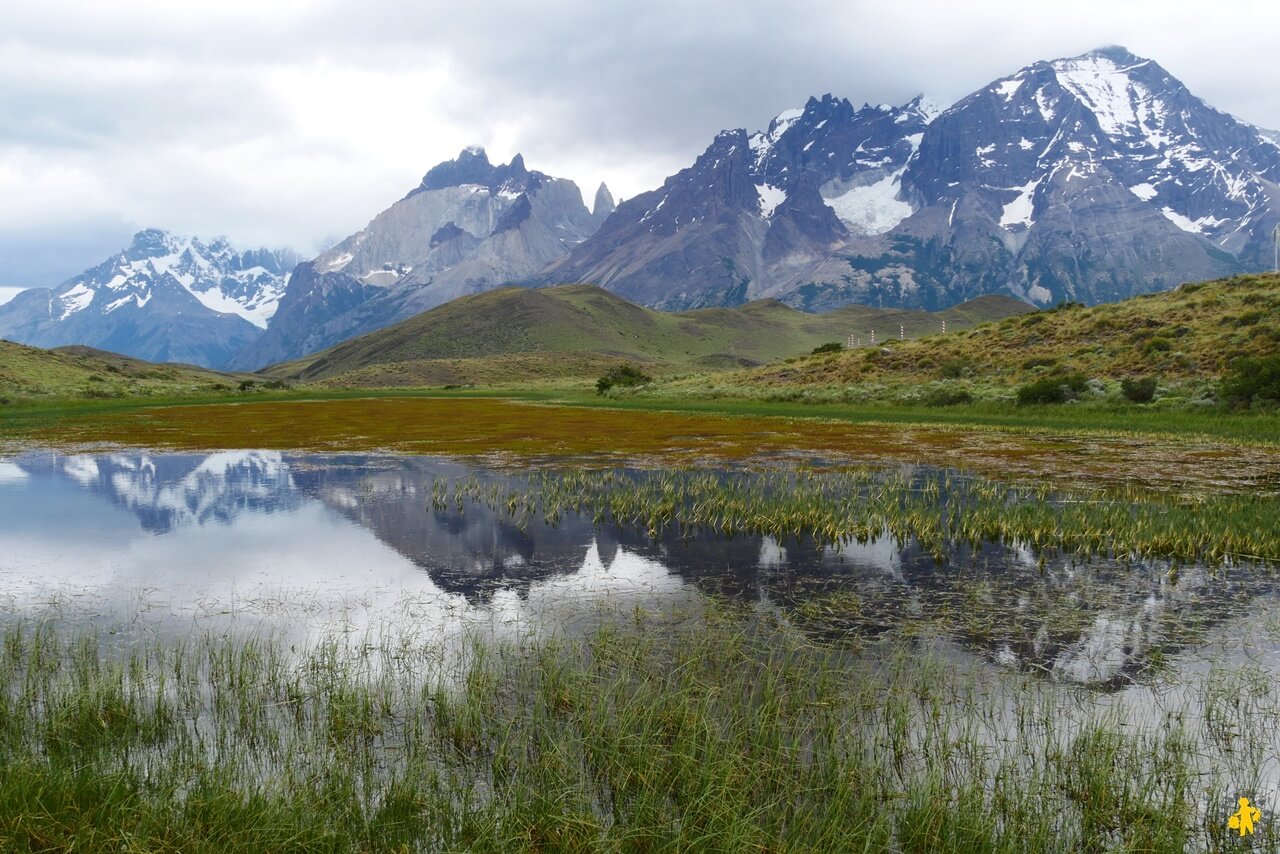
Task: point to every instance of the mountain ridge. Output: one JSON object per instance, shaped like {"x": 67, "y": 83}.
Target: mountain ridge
{"x": 1087, "y": 178}
{"x": 470, "y": 225}
{"x": 163, "y": 298}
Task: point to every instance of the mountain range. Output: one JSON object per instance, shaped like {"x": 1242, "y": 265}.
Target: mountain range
{"x": 165, "y": 298}
{"x": 469, "y": 226}
{"x": 1089, "y": 179}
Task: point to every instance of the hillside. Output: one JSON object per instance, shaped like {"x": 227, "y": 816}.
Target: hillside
{"x": 1186, "y": 339}
{"x": 32, "y": 373}
{"x": 506, "y": 335}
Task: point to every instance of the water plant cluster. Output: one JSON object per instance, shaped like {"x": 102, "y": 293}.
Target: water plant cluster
{"x": 717, "y": 731}
{"x": 936, "y": 508}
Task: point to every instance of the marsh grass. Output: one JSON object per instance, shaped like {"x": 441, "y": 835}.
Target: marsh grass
{"x": 936, "y": 508}
{"x": 730, "y": 731}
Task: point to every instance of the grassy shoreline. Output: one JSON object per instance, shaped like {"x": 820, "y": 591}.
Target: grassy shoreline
{"x": 730, "y": 731}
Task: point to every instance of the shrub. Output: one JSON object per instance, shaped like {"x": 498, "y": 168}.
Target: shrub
{"x": 829, "y": 347}
{"x": 1039, "y": 362}
{"x": 1139, "y": 390}
{"x": 1054, "y": 389}
{"x": 946, "y": 397}
{"x": 1250, "y": 317}
{"x": 954, "y": 369}
{"x": 1253, "y": 381}
{"x": 248, "y": 385}
{"x": 1159, "y": 344}
{"x": 623, "y": 375}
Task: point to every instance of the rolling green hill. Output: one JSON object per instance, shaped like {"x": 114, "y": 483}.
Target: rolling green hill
{"x": 32, "y": 373}
{"x": 518, "y": 334}
{"x": 1185, "y": 339}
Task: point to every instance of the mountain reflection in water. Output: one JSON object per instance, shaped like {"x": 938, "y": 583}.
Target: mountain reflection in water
{"x": 283, "y": 542}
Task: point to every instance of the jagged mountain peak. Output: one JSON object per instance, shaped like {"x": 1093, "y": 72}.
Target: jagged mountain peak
{"x": 472, "y": 167}
{"x": 604, "y": 203}
{"x": 469, "y": 226}
{"x": 164, "y": 297}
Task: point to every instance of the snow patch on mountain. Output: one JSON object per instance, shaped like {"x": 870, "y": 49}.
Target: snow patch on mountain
{"x": 1144, "y": 191}
{"x": 1019, "y": 211}
{"x": 770, "y": 197}
{"x": 872, "y": 208}
{"x": 1186, "y": 223}
{"x": 77, "y": 299}
{"x": 1008, "y": 88}
{"x": 1107, "y": 89}
{"x": 762, "y": 142}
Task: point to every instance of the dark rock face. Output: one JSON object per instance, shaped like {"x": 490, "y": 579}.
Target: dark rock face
{"x": 751, "y": 211}
{"x": 163, "y": 298}
{"x": 1091, "y": 178}
{"x": 472, "y": 166}
{"x": 470, "y": 226}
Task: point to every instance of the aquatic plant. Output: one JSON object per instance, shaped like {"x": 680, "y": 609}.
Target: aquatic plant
{"x": 719, "y": 731}
{"x": 937, "y": 508}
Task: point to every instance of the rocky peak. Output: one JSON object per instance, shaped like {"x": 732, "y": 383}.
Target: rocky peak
{"x": 604, "y": 203}
{"x": 472, "y": 166}
{"x": 150, "y": 243}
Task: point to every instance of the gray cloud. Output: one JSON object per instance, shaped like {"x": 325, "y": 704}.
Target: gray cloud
{"x": 283, "y": 122}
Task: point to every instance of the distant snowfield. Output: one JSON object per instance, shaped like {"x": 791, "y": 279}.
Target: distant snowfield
{"x": 7, "y": 293}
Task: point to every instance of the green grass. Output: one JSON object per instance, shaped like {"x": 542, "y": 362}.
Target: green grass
{"x": 1186, "y": 339}
{"x": 726, "y": 732}
{"x": 31, "y": 374}
{"x": 937, "y": 510}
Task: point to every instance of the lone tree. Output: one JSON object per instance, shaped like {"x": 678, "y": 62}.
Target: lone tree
{"x": 623, "y": 375}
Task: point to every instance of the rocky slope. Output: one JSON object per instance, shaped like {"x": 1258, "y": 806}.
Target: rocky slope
{"x": 468, "y": 227}
{"x": 165, "y": 298}
{"x": 755, "y": 210}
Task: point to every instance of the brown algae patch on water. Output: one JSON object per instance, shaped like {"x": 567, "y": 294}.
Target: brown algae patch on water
{"x": 522, "y": 431}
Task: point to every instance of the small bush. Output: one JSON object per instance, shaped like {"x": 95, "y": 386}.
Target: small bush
{"x": 946, "y": 397}
{"x": 625, "y": 376}
{"x": 954, "y": 369}
{"x": 829, "y": 347}
{"x": 1253, "y": 381}
{"x": 248, "y": 385}
{"x": 1055, "y": 389}
{"x": 1159, "y": 344}
{"x": 1039, "y": 362}
{"x": 1139, "y": 390}
{"x": 1032, "y": 319}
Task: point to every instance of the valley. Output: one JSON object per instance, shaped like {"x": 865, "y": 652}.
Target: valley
{"x": 896, "y": 478}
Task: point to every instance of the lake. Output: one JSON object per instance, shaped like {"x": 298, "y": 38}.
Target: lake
{"x": 302, "y": 546}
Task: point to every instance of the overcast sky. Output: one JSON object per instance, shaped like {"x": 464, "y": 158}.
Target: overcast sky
{"x": 289, "y": 122}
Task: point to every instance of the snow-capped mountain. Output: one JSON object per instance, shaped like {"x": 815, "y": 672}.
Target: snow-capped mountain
{"x": 754, "y": 210}
{"x": 469, "y": 226}
{"x": 171, "y": 491}
{"x": 1089, "y": 178}
{"x": 165, "y": 298}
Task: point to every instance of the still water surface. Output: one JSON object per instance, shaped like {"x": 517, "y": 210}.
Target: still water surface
{"x": 305, "y": 546}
